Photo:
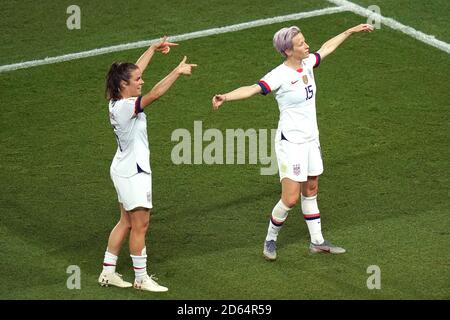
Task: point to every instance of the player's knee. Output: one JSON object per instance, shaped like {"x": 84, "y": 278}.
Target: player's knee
{"x": 311, "y": 187}
{"x": 140, "y": 226}
{"x": 310, "y": 190}
{"x": 125, "y": 224}
{"x": 140, "y": 222}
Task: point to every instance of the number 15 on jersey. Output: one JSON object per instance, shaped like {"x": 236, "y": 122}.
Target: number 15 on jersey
{"x": 309, "y": 92}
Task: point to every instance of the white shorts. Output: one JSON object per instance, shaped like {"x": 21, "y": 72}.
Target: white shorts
{"x": 134, "y": 191}
{"x": 297, "y": 161}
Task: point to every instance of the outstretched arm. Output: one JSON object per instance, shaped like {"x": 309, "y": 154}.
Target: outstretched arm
{"x": 162, "y": 45}
{"x": 238, "y": 94}
{"x": 161, "y": 87}
{"x": 329, "y": 46}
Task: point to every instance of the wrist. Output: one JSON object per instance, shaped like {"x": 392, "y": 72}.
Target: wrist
{"x": 178, "y": 71}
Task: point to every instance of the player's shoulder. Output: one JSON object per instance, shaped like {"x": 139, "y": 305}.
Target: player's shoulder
{"x": 123, "y": 107}
{"x": 130, "y": 100}
{"x": 308, "y": 60}
{"x": 121, "y": 102}
{"x": 280, "y": 68}
{"x": 278, "y": 71}
{"x": 313, "y": 59}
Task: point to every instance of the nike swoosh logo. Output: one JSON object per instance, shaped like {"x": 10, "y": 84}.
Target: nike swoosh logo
{"x": 294, "y": 82}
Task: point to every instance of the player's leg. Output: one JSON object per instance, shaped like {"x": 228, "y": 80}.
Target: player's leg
{"x": 140, "y": 219}
{"x": 310, "y": 207}
{"x": 120, "y": 232}
{"x": 116, "y": 238}
{"x": 311, "y": 214}
{"x": 289, "y": 197}
{"x": 138, "y": 206}
{"x": 109, "y": 276}
{"x": 290, "y": 191}
{"x": 289, "y": 158}
{"x": 139, "y": 211}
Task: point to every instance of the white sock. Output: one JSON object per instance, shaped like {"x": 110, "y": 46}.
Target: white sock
{"x": 311, "y": 214}
{"x": 279, "y": 215}
{"x": 140, "y": 265}
{"x": 109, "y": 262}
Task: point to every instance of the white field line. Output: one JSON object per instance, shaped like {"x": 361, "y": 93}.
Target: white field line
{"x": 428, "y": 39}
{"x": 181, "y": 37}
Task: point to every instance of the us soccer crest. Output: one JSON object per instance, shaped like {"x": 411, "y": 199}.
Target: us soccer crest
{"x": 296, "y": 168}
{"x": 305, "y": 79}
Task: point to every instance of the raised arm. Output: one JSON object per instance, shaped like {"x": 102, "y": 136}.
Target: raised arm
{"x": 329, "y": 46}
{"x": 161, "y": 87}
{"x": 238, "y": 94}
{"x": 162, "y": 45}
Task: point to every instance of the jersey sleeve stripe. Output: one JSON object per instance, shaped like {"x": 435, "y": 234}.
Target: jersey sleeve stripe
{"x": 317, "y": 60}
{"x": 264, "y": 86}
{"x": 137, "y": 105}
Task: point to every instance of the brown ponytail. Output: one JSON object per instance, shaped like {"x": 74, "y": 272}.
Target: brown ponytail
{"x": 117, "y": 72}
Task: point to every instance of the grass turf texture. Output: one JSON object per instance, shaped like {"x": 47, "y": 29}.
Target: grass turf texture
{"x": 383, "y": 113}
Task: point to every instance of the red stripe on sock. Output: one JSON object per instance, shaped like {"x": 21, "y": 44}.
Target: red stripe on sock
{"x": 276, "y": 223}
{"x": 108, "y": 264}
{"x": 311, "y": 214}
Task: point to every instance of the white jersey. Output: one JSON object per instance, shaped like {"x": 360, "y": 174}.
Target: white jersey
{"x": 130, "y": 128}
{"x": 295, "y": 92}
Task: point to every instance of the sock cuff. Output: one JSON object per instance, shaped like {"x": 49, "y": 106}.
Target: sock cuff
{"x": 143, "y": 253}
{"x": 283, "y": 206}
{"x": 110, "y": 255}
{"x": 137, "y": 257}
{"x": 310, "y": 208}
{"x": 279, "y": 213}
{"x": 277, "y": 223}
{"x": 311, "y": 216}
{"x": 309, "y": 198}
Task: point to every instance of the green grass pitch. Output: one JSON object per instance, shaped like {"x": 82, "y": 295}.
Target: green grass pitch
{"x": 383, "y": 110}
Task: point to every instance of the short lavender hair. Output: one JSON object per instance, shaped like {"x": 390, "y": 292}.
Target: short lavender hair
{"x": 282, "y": 40}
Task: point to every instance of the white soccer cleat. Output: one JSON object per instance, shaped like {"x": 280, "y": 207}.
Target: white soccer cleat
{"x": 148, "y": 284}
{"x": 113, "y": 279}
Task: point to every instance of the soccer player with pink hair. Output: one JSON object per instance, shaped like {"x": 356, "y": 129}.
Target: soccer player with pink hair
{"x": 297, "y": 143}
